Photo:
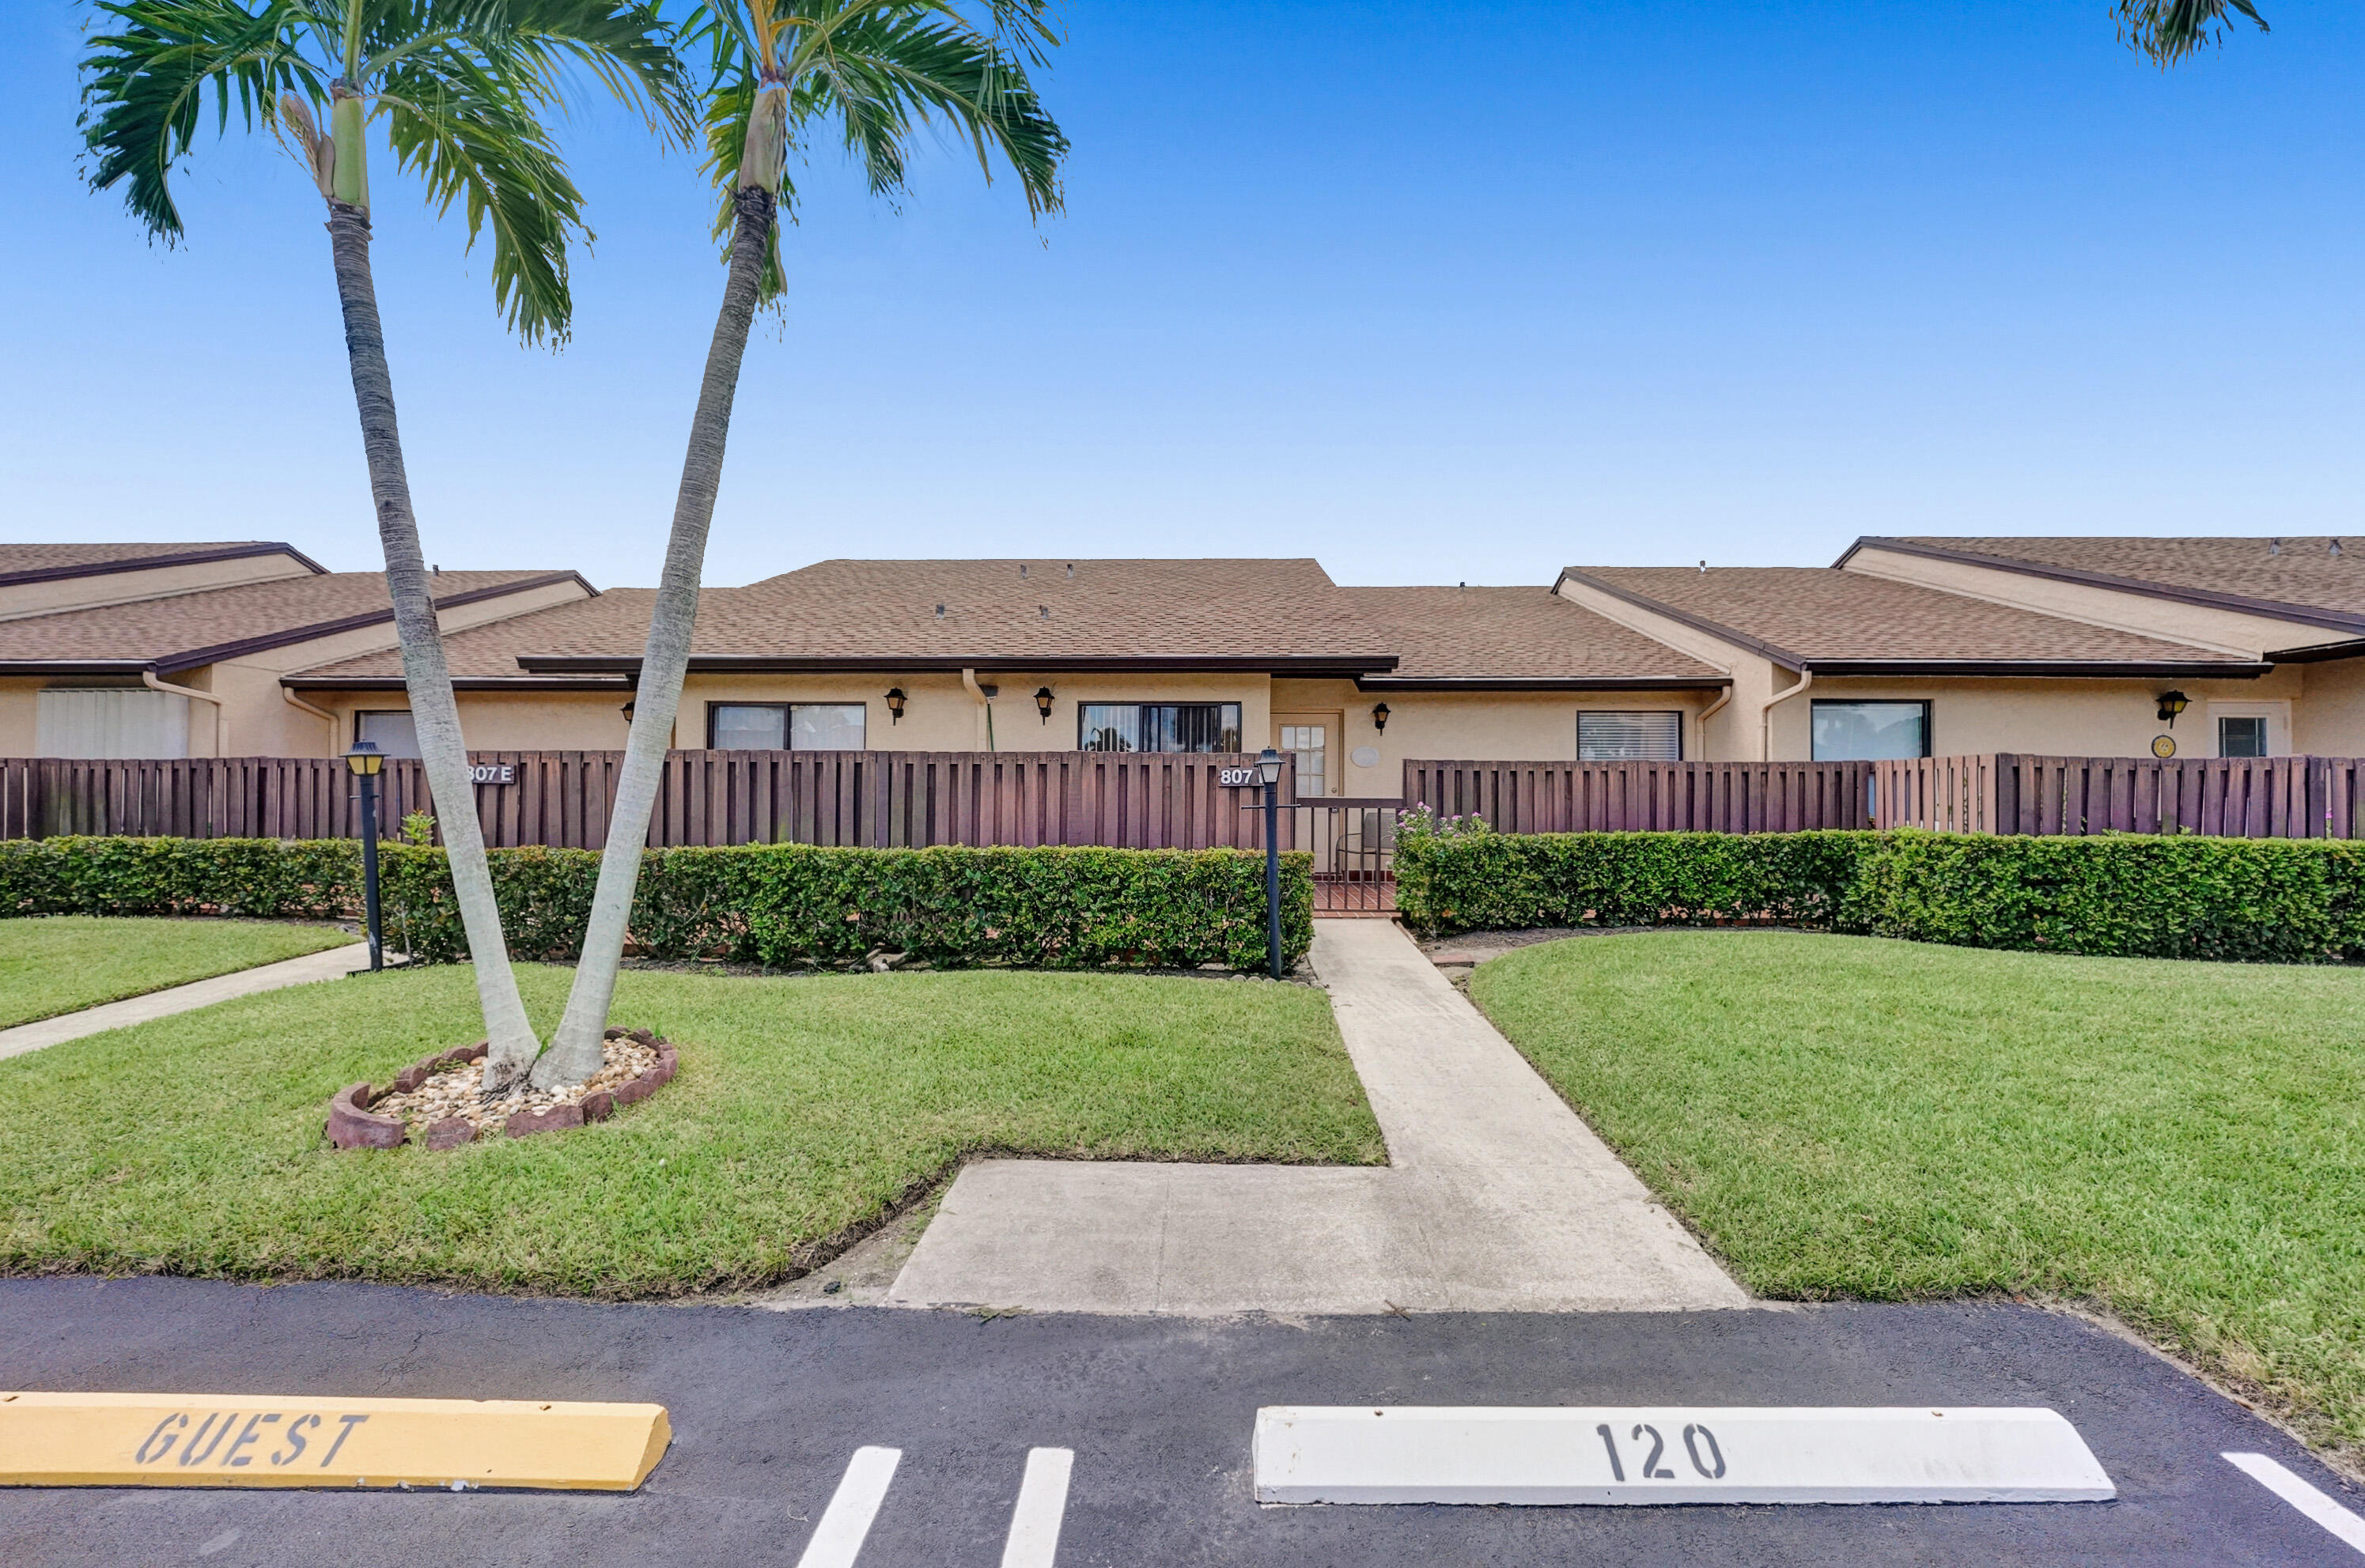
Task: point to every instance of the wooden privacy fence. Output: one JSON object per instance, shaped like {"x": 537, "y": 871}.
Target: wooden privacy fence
{"x": 882, "y": 800}
{"x": 1624, "y": 797}
{"x": 2247, "y": 797}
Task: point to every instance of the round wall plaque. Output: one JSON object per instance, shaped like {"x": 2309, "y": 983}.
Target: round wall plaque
{"x": 1365, "y": 756}
{"x": 2163, "y": 745}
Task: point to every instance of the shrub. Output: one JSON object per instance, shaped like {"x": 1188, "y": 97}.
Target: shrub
{"x": 1469, "y": 881}
{"x": 775, "y": 904}
{"x": 2292, "y": 901}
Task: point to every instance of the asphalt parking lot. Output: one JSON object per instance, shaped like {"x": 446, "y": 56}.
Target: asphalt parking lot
{"x": 769, "y": 1408}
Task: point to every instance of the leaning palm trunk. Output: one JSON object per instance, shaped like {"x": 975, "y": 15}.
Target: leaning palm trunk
{"x": 576, "y": 1052}
{"x": 432, "y": 706}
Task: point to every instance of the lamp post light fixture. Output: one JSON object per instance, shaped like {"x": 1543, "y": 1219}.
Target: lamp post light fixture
{"x": 2172, "y": 703}
{"x": 1043, "y": 702}
{"x": 1269, "y": 774}
{"x": 1379, "y": 717}
{"x": 895, "y": 701}
{"x": 365, "y": 761}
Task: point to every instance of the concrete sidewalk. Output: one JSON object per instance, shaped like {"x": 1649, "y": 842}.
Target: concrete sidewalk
{"x": 1498, "y": 1197}
{"x": 332, "y": 963}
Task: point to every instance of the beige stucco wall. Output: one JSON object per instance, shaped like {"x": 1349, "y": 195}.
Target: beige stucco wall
{"x": 2048, "y": 718}
{"x": 1509, "y": 726}
{"x": 2329, "y": 720}
{"x": 154, "y": 582}
{"x": 2227, "y": 631}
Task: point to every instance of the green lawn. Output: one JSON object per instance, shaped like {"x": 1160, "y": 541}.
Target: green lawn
{"x": 1843, "y": 1117}
{"x": 63, "y": 963}
{"x": 804, "y": 1107}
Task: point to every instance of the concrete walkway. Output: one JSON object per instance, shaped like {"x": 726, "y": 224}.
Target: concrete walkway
{"x": 331, "y": 963}
{"x": 1498, "y": 1197}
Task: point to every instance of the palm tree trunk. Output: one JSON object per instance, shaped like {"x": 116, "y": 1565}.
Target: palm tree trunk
{"x": 576, "y": 1052}
{"x": 433, "y": 709}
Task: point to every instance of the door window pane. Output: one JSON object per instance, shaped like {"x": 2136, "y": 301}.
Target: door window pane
{"x": 1308, "y": 744}
{"x": 2244, "y": 737}
{"x": 396, "y": 734}
{"x": 825, "y": 726}
{"x": 1871, "y": 732}
{"x": 750, "y": 726}
{"x": 1159, "y": 726}
{"x": 1630, "y": 738}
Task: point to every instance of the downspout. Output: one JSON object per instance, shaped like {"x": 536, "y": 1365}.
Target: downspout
{"x": 149, "y": 675}
{"x": 968, "y": 679}
{"x": 1705, "y": 714}
{"x": 336, "y": 730}
{"x": 1766, "y": 714}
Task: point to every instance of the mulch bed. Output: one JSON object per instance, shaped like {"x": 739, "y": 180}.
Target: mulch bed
{"x": 441, "y": 1097}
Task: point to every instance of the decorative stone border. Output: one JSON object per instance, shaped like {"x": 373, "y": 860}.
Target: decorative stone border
{"x": 353, "y": 1124}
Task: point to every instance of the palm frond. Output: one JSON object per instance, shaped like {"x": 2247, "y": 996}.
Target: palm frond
{"x": 147, "y": 82}
{"x": 2167, "y": 30}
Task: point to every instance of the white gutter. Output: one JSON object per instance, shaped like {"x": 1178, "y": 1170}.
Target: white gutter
{"x": 1705, "y": 714}
{"x": 1766, "y": 714}
{"x": 149, "y": 675}
{"x": 968, "y": 679}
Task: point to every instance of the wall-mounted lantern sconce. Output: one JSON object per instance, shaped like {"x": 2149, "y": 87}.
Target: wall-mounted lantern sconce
{"x": 1043, "y": 702}
{"x": 895, "y": 701}
{"x": 2172, "y": 703}
{"x": 1380, "y": 716}
{"x": 627, "y": 708}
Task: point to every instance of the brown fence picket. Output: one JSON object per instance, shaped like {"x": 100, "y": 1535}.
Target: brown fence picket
{"x": 1623, "y": 797}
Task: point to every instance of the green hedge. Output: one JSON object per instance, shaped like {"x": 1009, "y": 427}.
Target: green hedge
{"x": 774, "y": 904}
{"x": 2286, "y": 901}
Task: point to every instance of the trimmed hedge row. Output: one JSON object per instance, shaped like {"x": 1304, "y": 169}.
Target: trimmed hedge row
{"x": 775, "y": 904}
{"x": 2282, "y": 900}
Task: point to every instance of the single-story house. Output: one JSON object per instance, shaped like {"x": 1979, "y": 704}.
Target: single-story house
{"x": 1901, "y": 647}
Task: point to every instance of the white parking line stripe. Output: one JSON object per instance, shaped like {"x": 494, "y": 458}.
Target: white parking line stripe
{"x": 2307, "y": 1499}
{"x": 1042, "y": 1502}
{"x": 845, "y": 1523}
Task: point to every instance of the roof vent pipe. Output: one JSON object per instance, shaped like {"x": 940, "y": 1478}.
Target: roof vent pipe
{"x": 2274, "y": 546}
{"x": 940, "y": 613}
{"x": 1072, "y": 570}
{"x": 2335, "y": 547}
{"x": 1022, "y": 571}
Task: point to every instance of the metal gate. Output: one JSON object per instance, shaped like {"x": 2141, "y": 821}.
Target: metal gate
{"x": 1353, "y": 843}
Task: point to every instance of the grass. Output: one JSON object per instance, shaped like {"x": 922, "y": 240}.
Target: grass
{"x": 63, "y": 963}
{"x": 805, "y": 1108}
{"x": 2182, "y": 1143}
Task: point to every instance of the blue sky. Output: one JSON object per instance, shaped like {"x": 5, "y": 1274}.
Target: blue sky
{"x": 1432, "y": 293}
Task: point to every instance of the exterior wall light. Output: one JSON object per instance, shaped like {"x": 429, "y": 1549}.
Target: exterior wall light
{"x": 895, "y": 701}
{"x": 1043, "y": 702}
{"x": 627, "y": 708}
{"x": 2172, "y": 703}
{"x": 1380, "y": 716}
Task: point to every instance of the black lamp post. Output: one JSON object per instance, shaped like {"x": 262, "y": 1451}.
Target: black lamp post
{"x": 365, "y": 760}
{"x": 1268, "y": 771}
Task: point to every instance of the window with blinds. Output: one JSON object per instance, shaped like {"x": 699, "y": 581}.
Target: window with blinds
{"x": 1630, "y": 738}
{"x": 110, "y": 721}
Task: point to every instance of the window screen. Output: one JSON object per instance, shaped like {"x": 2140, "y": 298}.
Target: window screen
{"x": 1159, "y": 726}
{"x": 825, "y": 726}
{"x": 110, "y": 721}
{"x": 396, "y": 733}
{"x": 1630, "y": 738}
{"x": 2244, "y": 737}
{"x": 1871, "y": 732}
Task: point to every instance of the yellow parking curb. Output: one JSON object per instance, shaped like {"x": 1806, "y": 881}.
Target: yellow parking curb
{"x": 241, "y": 1440}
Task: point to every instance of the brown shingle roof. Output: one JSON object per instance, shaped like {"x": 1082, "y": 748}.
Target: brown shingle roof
{"x": 1510, "y": 636}
{"x": 1823, "y": 616}
{"x": 618, "y": 618}
{"x": 2302, "y": 577}
{"x": 26, "y": 563}
{"x": 190, "y": 629}
{"x": 1224, "y": 613}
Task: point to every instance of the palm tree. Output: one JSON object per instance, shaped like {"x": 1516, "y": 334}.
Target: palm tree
{"x": 2167, "y": 30}
{"x": 875, "y": 72}
{"x": 459, "y": 89}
